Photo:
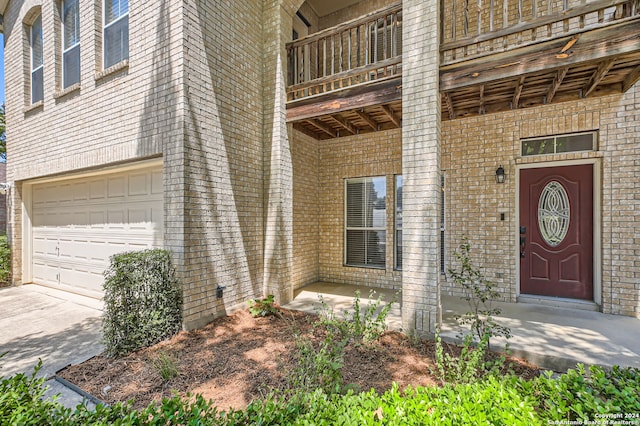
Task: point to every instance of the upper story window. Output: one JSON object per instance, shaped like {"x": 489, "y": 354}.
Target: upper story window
{"x": 70, "y": 43}
{"x": 37, "y": 75}
{"x": 365, "y": 220}
{"x": 116, "y": 32}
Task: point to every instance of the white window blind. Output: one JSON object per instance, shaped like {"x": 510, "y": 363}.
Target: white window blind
{"x": 365, "y": 219}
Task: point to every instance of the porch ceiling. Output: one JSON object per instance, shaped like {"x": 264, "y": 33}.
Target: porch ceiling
{"x": 597, "y": 63}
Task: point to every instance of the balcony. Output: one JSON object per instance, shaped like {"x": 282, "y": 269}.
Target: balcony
{"x": 495, "y": 55}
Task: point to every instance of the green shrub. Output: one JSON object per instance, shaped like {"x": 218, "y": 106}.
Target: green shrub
{"x": 263, "y": 307}
{"x": 143, "y": 301}
{"x": 359, "y": 325}
{"x": 479, "y": 294}
{"x": 577, "y": 396}
{"x": 318, "y": 365}
{"x": 5, "y": 261}
{"x": 165, "y": 365}
{"x": 572, "y": 397}
{"x": 21, "y": 399}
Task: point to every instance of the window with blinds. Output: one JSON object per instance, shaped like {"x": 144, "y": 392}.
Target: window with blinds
{"x": 116, "y": 32}
{"x": 442, "y": 225}
{"x": 70, "y": 43}
{"x": 365, "y": 220}
{"x": 398, "y": 224}
{"x": 37, "y": 61}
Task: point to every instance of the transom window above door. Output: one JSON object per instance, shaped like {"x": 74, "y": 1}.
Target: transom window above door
{"x": 560, "y": 144}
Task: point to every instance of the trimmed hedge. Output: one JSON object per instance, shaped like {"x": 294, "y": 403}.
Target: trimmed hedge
{"x": 572, "y": 397}
{"x": 143, "y": 301}
{"x": 5, "y": 261}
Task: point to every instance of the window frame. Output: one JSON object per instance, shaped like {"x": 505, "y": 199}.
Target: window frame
{"x": 106, "y": 25}
{"x": 40, "y": 67}
{"x": 73, "y": 46}
{"x": 372, "y": 228}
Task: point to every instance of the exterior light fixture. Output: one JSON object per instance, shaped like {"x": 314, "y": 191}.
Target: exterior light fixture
{"x": 500, "y": 176}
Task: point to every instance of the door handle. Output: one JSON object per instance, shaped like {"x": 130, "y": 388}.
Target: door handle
{"x": 523, "y": 241}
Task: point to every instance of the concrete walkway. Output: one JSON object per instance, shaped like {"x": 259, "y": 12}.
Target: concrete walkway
{"x": 550, "y": 337}
{"x": 41, "y": 323}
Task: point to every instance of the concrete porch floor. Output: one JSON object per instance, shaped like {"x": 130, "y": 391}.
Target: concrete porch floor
{"x": 550, "y": 337}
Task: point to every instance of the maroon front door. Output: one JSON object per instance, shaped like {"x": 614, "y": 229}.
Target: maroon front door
{"x": 556, "y": 231}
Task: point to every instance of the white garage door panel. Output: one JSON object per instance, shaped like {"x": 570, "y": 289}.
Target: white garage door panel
{"x": 78, "y": 224}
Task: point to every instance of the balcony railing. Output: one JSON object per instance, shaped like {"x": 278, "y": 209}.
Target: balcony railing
{"x": 476, "y": 28}
{"x": 369, "y": 49}
{"x": 356, "y": 52}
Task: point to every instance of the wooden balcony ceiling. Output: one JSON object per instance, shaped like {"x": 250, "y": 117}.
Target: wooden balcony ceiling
{"x": 597, "y": 63}
{"x": 356, "y": 110}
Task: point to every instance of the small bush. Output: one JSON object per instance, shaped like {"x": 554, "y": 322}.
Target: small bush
{"x": 479, "y": 294}
{"x": 21, "y": 399}
{"x": 165, "y": 365}
{"x": 5, "y": 261}
{"x": 360, "y": 325}
{"x": 576, "y": 396}
{"x": 263, "y": 307}
{"x": 143, "y": 301}
{"x": 318, "y": 365}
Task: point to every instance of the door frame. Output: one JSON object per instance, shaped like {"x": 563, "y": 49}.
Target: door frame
{"x": 597, "y": 220}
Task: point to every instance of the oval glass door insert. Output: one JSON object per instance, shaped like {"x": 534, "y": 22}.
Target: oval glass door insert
{"x": 553, "y": 213}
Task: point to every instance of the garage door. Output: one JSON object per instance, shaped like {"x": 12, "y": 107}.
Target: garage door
{"x": 78, "y": 223}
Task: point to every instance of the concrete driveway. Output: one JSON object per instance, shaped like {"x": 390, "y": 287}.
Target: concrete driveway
{"x": 38, "y": 322}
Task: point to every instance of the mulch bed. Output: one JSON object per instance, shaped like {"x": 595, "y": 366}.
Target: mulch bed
{"x": 238, "y": 358}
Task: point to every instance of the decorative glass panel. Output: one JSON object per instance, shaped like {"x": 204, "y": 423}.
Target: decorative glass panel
{"x": 553, "y": 213}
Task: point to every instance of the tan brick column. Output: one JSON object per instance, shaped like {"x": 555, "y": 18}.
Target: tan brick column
{"x": 278, "y": 168}
{"x": 420, "y": 165}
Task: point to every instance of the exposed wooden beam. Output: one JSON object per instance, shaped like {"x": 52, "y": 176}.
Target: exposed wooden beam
{"x": 302, "y": 129}
{"x": 631, "y": 79}
{"x": 389, "y": 113}
{"x": 449, "y": 104}
{"x": 323, "y": 127}
{"x": 516, "y": 95}
{"x": 345, "y": 124}
{"x": 596, "y": 45}
{"x": 481, "y": 107}
{"x": 357, "y": 97}
{"x": 597, "y": 77}
{"x": 367, "y": 118}
{"x": 557, "y": 81}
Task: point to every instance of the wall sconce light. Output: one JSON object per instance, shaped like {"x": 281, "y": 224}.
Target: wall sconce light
{"x": 500, "y": 176}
